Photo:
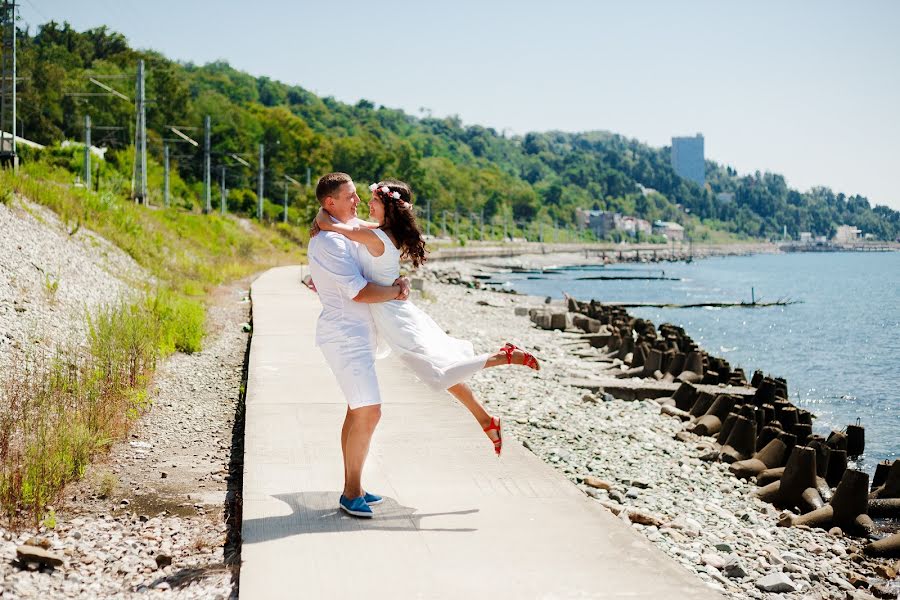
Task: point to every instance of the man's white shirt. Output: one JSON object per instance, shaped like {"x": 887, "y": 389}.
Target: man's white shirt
{"x": 334, "y": 266}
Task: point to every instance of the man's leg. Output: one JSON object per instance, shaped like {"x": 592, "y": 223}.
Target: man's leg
{"x": 344, "y": 431}
{"x": 360, "y": 425}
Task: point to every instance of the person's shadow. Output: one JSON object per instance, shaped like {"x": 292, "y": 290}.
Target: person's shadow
{"x": 317, "y": 512}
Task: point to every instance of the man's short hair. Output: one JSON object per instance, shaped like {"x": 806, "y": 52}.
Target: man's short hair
{"x": 328, "y": 184}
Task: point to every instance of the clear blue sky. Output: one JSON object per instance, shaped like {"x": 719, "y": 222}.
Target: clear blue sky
{"x": 809, "y": 89}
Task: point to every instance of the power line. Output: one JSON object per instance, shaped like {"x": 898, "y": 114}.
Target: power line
{"x": 38, "y": 11}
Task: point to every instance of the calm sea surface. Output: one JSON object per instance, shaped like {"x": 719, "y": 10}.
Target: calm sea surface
{"x": 839, "y": 350}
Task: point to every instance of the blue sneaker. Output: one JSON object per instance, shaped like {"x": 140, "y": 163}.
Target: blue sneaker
{"x": 356, "y": 507}
{"x": 372, "y": 499}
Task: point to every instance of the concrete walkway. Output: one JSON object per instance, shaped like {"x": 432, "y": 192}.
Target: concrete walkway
{"x": 457, "y": 522}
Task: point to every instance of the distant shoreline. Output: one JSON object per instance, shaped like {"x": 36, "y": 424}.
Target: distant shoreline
{"x": 639, "y": 252}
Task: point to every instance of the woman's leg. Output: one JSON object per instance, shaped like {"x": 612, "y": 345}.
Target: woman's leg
{"x": 464, "y": 394}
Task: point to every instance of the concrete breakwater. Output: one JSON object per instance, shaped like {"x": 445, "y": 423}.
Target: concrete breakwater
{"x": 752, "y": 426}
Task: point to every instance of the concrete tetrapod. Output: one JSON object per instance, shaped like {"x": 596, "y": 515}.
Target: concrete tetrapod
{"x": 891, "y": 486}
{"x": 769, "y": 476}
{"x": 693, "y": 368}
{"x": 765, "y": 391}
{"x": 847, "y": 509}
{"x": 856, "y": 440}
{"x": 766, "y": 435}
{"x": 703, "y": 403}
{"x": 788, "y": 417}
{"x": 888, "y": 547}
{"x": 726, "y": 428}
{"x": 837, "y": 464}
{"x": 789, "y": 439}
{"x": 626, "y": 348}
{"x": 674, "y": 368}
{"x": 888, "y": 508}
{"x": 799, "y": 476}
{"x": 685, "y": 396}
{"x": 837, "y": 440}
{"x": 771, "y": 456}
{"x": 756, "y": 379}
{"x": 881, "y": 472}
{"x": 653, "y": 363}
{"x": 639, "y": 356}
{"x": 741, "y": 442}
{"x": 711, "y": 422}
{"x": 823, "y": 454}
{"x": 803, "y": 431}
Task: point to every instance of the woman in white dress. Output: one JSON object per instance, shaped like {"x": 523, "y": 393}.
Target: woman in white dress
{"x": 440, "y": 361}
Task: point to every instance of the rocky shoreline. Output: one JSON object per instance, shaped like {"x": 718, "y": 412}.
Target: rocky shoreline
{"x": 625, "y": 454}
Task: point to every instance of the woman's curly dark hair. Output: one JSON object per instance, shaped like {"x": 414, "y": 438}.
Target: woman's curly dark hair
{"x": 400, "y": 219}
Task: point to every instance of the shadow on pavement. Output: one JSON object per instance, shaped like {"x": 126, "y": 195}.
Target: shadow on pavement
{"x": 317, "y": 512}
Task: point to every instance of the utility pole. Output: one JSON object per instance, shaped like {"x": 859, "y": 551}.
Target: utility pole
{"x": 505, "y": 237}
{"x": 139, "y": 180}
{"x": 308, "y": 175}
{"x": 482, "y": 223}
{"x": 207, "y": 176}
{"x": 259, "y": 182}
{"x": 428, "y": 216}
{"x": 444, "y": 223}
{"x": 166, "y": 175}
{"x": 223, "y": 191}
{"x": 456, "y": 227}
{"x": 284, "y": 215}
{"x": 8, "y": 121}
{"x": 541, "y": 232}
{"x": 87, "y": 152}
{"x": 471, "y": 226}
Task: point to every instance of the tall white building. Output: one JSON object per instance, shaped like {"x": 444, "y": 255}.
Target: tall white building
{"x": 688, "y": 159}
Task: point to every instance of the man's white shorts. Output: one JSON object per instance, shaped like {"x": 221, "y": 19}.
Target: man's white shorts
{"x": 352, "y": 361}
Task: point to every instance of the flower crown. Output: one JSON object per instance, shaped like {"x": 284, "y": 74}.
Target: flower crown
{"x": 384, "y": 190}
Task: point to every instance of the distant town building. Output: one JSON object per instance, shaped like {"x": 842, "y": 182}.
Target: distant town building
{"x": 634, "y": 226}
{"x": 687, "y": 158}
{"x": 672, "y": 231}
{"x": 602, "y": 222}
{"x": 846, "y": 233}
{"x": 806, "y": 237}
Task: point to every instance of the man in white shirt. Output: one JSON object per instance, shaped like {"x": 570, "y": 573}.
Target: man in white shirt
{"x": 345, "y": 333}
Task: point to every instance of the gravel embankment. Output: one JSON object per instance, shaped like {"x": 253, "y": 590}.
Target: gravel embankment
{"x": 50, "y": 279}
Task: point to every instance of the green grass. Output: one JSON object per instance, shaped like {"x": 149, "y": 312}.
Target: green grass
{"x": 58, "y": 411}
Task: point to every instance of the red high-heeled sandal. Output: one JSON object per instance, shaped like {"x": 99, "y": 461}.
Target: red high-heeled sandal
{"x": 495, "y": 426}
{"x": 529, "y": 361}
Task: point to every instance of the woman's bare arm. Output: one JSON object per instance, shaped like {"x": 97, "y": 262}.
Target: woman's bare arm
{"x": 358, "y": 232}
